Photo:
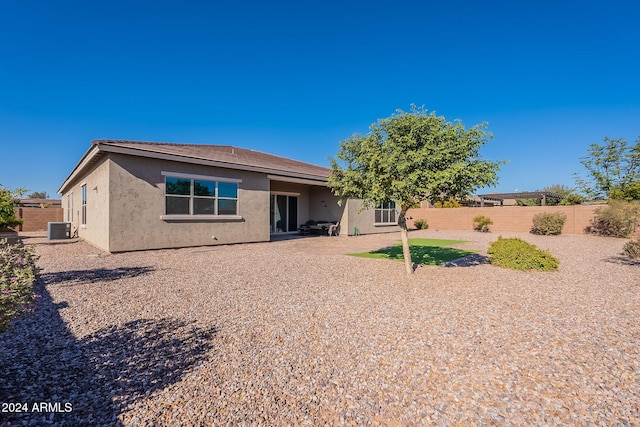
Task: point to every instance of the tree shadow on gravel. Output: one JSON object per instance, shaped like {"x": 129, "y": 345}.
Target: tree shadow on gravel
{"x": 468, "y": 261}
{"x": 623, "y": 260}
{"x": 80, "y": 277}
{"x": 90, "y": 381}
{"x": 421, "y": 255}
{"x": 140, "y": 357}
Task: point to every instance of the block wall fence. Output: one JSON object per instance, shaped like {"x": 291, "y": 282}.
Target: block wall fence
{"x": 37, "y": 219}
{"x": 505, "y": 218}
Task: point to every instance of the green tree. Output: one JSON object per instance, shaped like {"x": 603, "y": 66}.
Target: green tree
{"x": 569, "y": 197}
{"x": 613, "y": 170}
{"x": 528, "y": 202}
{"x": 7, "y": 211}
{"x": 410, "y": 157}
{"x": 38, "y": 195}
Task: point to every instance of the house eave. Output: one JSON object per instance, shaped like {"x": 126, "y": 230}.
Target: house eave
{"x": 89, "y": 158}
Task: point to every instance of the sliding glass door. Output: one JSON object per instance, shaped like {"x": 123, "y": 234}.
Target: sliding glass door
{"x": 284, "y": 213}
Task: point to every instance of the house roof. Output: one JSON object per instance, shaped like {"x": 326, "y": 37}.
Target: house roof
{"x": 224, "y": 156}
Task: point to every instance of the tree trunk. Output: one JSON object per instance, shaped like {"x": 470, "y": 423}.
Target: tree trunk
{"x": 404, "y": 233}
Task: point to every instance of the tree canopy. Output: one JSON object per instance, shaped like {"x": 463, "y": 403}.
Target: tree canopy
{"x": 569, "y": 197}
{"x": 613, "y": 170}
{"x": 411, "y": 157}
{"x": 38, "y": 195}
{"x": 7, "y": 211}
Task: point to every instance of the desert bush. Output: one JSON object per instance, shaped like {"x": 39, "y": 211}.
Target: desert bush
{"x": 482, "y": 223}
{"x": 617, "y": 219}
{"x": 548, "y": 223}
{"x": 17, "y": 274}
{"x": 632, "y": 249}
{"x": 7, "y": 212}
{"x": 421, "y": 224}
{"x": 517, "y": 254}
{"x": 572, "y": 199}
{"x": 450, "y": 203}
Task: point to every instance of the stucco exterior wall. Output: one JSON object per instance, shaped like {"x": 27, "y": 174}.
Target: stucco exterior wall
{"x": 96, "y": 229}
{"x": 126, "y": 206}
{"x": 323, "y": 205}
{"x": 505, "y": 218}
{"x": 138, "y": 202}
{"x": 364, "y": 220}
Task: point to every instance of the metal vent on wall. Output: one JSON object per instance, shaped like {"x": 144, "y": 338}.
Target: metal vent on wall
{"x": 59, "y": 230}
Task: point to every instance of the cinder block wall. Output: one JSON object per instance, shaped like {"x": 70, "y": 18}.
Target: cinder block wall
{"x": 505, "y": 218}
{"x": 37, "y": 219}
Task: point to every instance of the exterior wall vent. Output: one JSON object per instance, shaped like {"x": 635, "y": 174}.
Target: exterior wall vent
{"x": 58, "y": 230}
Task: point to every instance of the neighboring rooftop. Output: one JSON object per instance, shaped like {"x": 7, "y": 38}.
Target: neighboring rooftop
{"x": 500, "y": 197}
{"x": 38, "y": 203}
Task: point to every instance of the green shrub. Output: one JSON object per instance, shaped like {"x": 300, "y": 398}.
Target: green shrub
{"x": 572, "y": 199}
{"x": 548, "y": 223}
{"x": 517, "y": 254}
{"x": 7, "y": 212}
{"x": 632, "y": 249}
{"x": 617, "y": 219}
{"x": 17, "y": 274}
{"x": 420, "y": 224}
{"x": 450, "y": 203}
{"x": 482, "y": 223}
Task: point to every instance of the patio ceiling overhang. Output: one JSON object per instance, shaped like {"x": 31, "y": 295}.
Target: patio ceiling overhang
{"x": 319, "y": 182}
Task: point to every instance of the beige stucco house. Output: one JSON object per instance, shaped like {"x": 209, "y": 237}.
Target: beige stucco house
{"x": 128, "y": 195}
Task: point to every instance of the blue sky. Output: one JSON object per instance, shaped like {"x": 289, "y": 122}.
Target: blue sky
{"x": 296, "y": 78}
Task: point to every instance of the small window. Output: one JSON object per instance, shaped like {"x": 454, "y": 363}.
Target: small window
{"x": 83, "y": 215}
{"x": 70, "y": 207}
{"x": 199, "y": 196}
{"x": 385, "y": 213}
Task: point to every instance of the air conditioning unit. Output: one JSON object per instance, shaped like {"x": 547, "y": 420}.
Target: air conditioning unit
{"x": 59, "y": 230}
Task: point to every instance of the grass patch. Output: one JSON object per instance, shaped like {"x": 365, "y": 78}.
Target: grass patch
{"x": 423, "y": 251}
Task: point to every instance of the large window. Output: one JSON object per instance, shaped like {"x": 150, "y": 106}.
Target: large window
{"x": 83, "y": 215}
{"x": 283, "y": 213}
{"x": 186, "y": 195}
{"x": 385, "y": 213}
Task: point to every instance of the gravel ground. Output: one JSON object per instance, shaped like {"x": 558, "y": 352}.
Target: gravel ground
{"x": 284, "y": 333}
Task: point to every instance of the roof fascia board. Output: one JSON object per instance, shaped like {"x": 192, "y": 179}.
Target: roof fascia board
{"x": 226, "y": 165}
{"x": 297, "y": 180}
{"x": 88, "y": 157}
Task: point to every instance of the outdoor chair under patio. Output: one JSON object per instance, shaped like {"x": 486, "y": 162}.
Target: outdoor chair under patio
{"x": 306, "y": 227}
{"x": 334, "y": 229}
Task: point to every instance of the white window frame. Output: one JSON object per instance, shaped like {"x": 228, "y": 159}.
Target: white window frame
{"x": 191, "y": 196}
{"x": 70, "y": 207}
{"x": 387, "y": 212}
{"x": 83, "y": 205}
